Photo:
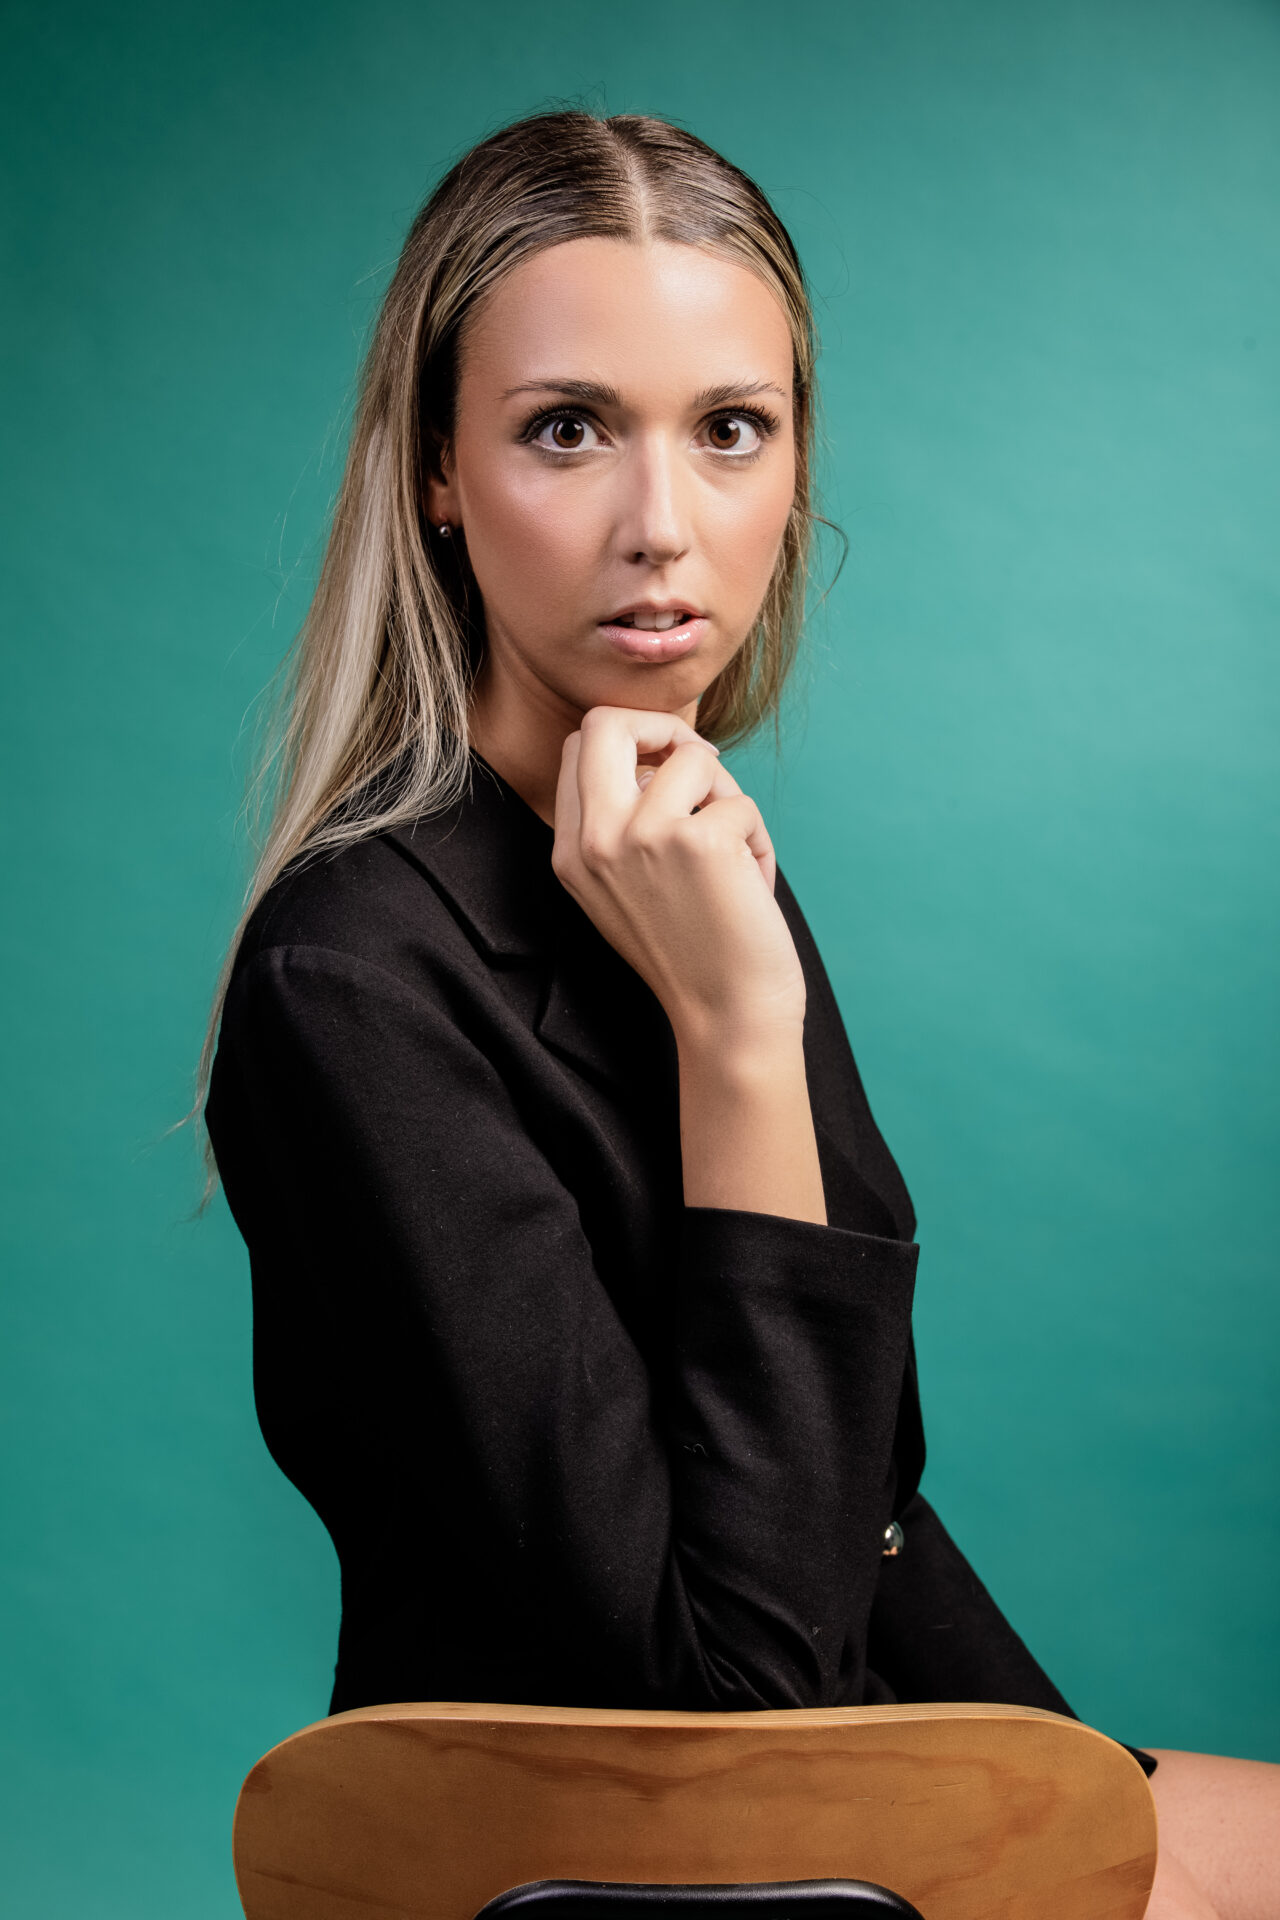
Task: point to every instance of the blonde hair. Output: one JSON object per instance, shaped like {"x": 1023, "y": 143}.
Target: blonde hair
{"x": 370, "y": 728}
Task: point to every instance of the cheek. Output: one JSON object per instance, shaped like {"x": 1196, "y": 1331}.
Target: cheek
{"x": 526, "y": 538}
{"x": 750, "y": 526}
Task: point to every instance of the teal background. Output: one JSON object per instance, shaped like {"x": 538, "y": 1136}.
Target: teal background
{"x": 1029, "y": 802}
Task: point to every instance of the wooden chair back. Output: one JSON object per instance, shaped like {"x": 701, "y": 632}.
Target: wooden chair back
{"x": 430, "y": 1811}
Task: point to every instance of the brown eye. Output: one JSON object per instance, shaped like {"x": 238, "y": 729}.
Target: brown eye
{"x": 734, "y": 433}
{"x": 564, "y": 433}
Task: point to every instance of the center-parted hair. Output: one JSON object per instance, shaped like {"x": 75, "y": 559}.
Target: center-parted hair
{"x": 370, "y": 725}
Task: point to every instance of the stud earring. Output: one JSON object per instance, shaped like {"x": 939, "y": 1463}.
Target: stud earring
{"x": 445, "y": 530}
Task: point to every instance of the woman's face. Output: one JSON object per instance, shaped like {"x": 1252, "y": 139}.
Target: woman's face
{"x": 622, "y": 468}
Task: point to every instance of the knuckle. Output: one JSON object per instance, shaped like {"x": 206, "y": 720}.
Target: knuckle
{"x": 690, "y": 834}
{"x": 570, "y": 873}
{"x": 594, "y": 848}
{"x": 647, "y": 835}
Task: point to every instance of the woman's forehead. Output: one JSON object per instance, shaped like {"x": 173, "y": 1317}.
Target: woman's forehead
{"x": 635, "y": 316}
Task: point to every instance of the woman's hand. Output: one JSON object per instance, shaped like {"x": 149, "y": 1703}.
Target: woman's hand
{"x": 685, "y": 897}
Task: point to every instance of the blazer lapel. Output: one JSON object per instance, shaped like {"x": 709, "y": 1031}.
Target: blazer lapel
{"x": 490, "y": 855}
{"x": 597, "y": 1012}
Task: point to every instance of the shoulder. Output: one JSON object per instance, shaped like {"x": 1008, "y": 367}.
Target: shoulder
{"x": 363, "y": 906}
{"x": 466, "y": 887}
{"x": 352, "y": 976}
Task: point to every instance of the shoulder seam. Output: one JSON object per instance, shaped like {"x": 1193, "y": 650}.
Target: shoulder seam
{"x": 301, "y": 949}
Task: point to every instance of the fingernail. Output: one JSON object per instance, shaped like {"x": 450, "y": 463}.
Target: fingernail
{"x": 709, "y": 743}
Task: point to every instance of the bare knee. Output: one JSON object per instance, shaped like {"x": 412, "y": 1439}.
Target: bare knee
{"x": 1219, "y": 1822}
{"x": 1176, "y": 1895}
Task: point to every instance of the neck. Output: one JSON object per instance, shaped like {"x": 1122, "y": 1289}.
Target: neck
{"x": 521, "y": 733}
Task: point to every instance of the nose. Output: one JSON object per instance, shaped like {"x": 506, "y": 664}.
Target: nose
{"x": 653, "y": 523}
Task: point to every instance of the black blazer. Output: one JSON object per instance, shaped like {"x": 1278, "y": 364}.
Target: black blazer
{"x": 575, "y": 1442}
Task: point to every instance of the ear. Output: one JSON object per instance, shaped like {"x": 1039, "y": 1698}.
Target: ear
{"x": 442, "y": 490}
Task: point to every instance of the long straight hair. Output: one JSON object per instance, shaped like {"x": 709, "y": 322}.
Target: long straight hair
{"x": 370, "y": 725}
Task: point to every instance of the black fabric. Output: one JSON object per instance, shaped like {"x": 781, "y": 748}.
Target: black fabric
{"x": 574, "y": 1441}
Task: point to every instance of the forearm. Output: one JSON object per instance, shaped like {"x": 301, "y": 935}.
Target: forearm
{"x": 746, "y": 1129}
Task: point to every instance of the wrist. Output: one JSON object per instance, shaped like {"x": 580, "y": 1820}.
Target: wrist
{"x": 747, "y": 1064}
{"x": 746, "y": 1129}
{"x": 743, "y": 1049}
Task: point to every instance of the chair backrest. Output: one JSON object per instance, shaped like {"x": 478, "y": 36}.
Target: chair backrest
{"x": 431, "y": 1811}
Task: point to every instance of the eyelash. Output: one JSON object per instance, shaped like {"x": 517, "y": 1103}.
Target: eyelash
{"x": 760, "y": 417}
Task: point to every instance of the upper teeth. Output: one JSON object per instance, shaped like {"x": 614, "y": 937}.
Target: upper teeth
{"x": 650, "y": 622}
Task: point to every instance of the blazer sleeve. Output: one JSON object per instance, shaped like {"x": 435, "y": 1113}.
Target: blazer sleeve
{"x": 436, "y": 1358}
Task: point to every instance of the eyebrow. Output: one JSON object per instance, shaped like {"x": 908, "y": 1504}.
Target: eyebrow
{"x": 600, "y": 395}
{"x": 741, "y": 390}
{"x": 593, "y": 390}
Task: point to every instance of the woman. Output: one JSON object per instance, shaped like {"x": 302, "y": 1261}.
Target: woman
{"x": 582, "y": 1275}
